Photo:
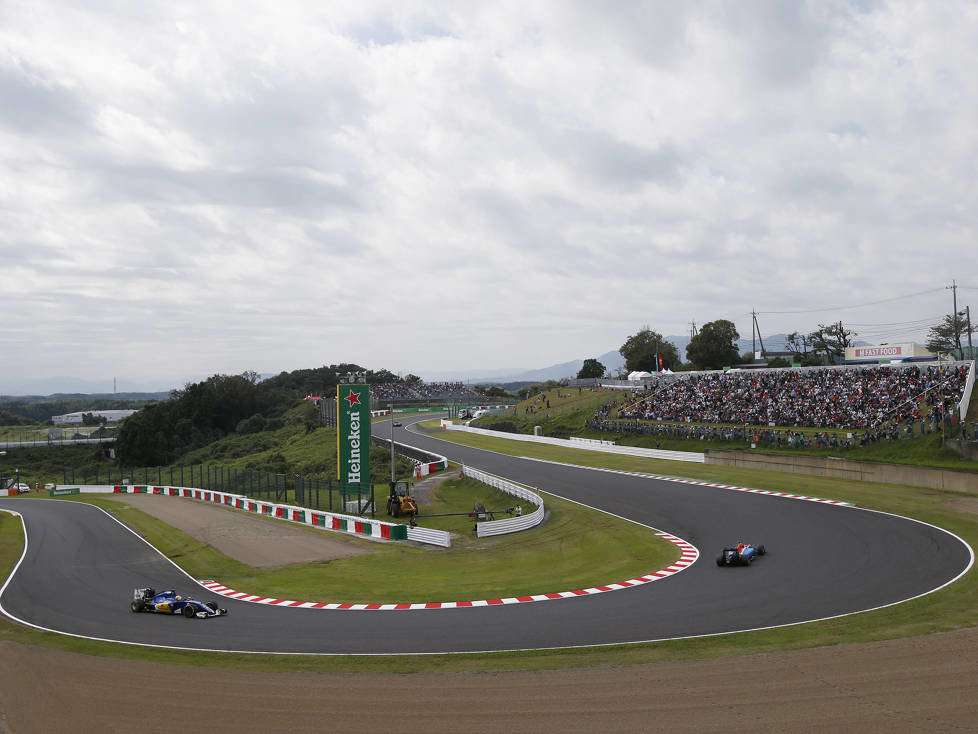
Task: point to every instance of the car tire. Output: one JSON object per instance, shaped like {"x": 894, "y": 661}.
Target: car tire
{"x": 719, "y": 560}
{"x": 212, "y": 605}
{"x": 188, "y": 612}
{"x": 761, "y": 550}
{"x": 136, "y": 605}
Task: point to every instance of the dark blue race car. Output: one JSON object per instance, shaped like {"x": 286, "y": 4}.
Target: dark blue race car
{"x": 169, "y": 602}
{"x": 742, "y": 554}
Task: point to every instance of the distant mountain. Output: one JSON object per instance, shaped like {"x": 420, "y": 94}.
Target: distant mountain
{"x": 613, "y": 361}
{"x": 80, "y": 386}
{"x": 61, "y": 397}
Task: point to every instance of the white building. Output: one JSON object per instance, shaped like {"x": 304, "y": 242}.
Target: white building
{"x": 111, "y": 416}
{"x": 888, "y": 352}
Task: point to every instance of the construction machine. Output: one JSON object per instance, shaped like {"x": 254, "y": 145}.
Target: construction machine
{"x": 400, "y": 501}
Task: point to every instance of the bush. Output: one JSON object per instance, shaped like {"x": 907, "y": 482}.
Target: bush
{"x": 254, "y": 424}
{"x": 505, "y": 426}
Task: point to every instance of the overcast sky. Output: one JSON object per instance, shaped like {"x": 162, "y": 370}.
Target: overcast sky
{"x": 191, "y": 188}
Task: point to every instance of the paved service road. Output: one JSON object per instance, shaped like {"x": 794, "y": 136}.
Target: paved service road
{"x": 81, "y": 565}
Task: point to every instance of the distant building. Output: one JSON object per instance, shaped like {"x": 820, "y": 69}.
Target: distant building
{"x": 888, "y": 353}
{"x": 111, "y": 416}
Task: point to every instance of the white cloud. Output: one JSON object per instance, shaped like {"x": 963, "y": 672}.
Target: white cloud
{"x": 191, "y": 188}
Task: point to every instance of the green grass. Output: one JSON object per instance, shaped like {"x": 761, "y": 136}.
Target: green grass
{"x": 954, "y": 607}
{"x": 575, "y": 548}
{"x": 569, "y": 415}
{"x": 950, "y": 608}
{"x": 458, "y": 496}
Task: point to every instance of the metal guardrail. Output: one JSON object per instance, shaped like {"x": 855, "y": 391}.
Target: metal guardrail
{"x": 432, "y": 537}
{"x": 966, "y": 395}
{"x": 689, "y": 456}
{"x": 509, "y": 524}
{"x": 53, "y": 442}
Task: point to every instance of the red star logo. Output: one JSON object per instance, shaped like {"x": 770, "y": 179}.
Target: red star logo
{"x": 353, "y": 398}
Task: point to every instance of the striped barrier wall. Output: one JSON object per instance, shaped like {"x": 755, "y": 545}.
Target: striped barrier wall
{"x": 349, "y": 524}
{"x": 426, "y": 468}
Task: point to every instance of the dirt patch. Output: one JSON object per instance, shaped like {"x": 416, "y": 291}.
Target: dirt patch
{"x": 963, "y": 504}
{"x": 255, "y": 541}
{"x": 920, "y": 684}
{"x": 421, "y": 491}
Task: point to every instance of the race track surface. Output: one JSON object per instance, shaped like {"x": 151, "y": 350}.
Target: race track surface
{"x": 81, "y": 565}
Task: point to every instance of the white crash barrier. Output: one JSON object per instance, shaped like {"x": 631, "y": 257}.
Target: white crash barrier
{"x": 509, "y": 524}
{"x": 592, "y": 441}
{"x": 690, "y": 456}
{"x": 429, "y": 536}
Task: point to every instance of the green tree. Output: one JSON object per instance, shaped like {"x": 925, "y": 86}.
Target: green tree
{"x": 382, "y": 377}
{"x": 946, "y": 336}
{"x": 715, "y": 346}
{"x": 639, "y": 351}
{"x": 797, "y": 344}
{"x": 590, "y": 368}
{"x": 832, "y": 341}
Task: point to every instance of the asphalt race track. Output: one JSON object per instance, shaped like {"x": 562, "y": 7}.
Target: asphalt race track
{"x": 81, "y": 565}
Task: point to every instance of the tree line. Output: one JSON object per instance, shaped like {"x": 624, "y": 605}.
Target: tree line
{"x": 203, "y": 412}
{"x": 714, "y": 346}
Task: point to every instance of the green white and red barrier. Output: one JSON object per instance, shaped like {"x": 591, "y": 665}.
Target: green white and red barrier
{"x": 425, "y": 468}
{"x": 349, "y": 524}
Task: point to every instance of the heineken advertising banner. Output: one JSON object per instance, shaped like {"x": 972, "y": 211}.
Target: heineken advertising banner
{"x": 353, "y": 434}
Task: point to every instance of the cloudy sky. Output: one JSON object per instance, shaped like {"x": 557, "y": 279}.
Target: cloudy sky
{"x": 191, "y": 188}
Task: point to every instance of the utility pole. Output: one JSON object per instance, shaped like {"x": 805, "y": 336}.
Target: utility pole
{"x": 756, "y": 327}
{"x": 971, "y": 353}
{"x": 957, "y": 324}
{"x": 753, "y": 328}
{"x": 393, "y": 482}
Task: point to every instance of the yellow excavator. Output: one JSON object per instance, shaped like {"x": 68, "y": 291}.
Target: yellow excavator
{"x": 400, "y": 501}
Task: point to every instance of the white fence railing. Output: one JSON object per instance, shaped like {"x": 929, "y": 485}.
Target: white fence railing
{"x": 690, "y": 456}
{"x": 429, "y": 536}
{"x": 593, "y": 441}
{"x": 509, "y": 524}
{"x": 969, "y": 385}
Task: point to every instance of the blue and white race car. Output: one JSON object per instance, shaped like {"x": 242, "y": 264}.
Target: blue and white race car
{"x": 169, "y": 602}
{"x": 742, "y": 554}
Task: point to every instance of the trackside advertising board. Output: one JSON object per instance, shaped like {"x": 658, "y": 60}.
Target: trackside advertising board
{"x": 353, "y": 434}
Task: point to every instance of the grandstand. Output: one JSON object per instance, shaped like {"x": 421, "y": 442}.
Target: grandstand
{"x": 422, "y": 392}
{"x": 864, "y": 398}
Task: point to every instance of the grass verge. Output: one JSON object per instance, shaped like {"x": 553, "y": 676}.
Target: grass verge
{"x": 575, "y": 548}
{"x": 954, "y": 607}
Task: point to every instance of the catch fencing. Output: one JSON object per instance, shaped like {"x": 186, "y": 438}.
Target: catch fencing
{"x": 344, "y": 523}
{"x": 319, "y": 494}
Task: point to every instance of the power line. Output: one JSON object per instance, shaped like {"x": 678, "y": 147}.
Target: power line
{"x": 929, "y": 320}
{"x": 857, "y": 305}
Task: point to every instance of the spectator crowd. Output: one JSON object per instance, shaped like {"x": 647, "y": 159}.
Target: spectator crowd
{"x": 876, "y": 401}
{"x": 422, "y": 391}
